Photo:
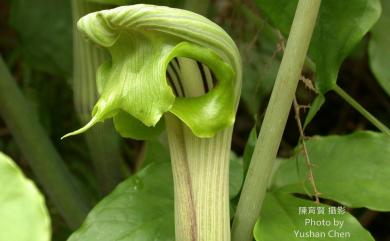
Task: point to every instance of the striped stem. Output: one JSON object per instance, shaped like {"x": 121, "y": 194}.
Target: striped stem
{"x": 200, "y": 166}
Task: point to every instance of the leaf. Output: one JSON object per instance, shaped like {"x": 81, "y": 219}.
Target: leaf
{"x": 155, "y": 152}
{"x": 249, "y": 148}
{"x": 340, "y": 26}
{"x": 258, "y": 43}
{"x": 280, "y": 220}
{"x": 45, "y": 31}
{"x": 351, "y": 169}
{"x": 314, "y": 108}
{"x": 236, "y": 175}
{"x": 260, "y": 70}
{"x": 379, "y": 49}
{"x": 23, "y": 214}
{"x": 140, "y": 208}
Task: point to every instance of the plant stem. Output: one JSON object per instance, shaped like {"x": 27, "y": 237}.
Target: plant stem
{"x": 254, "y": 189}
{"x": 185, "y": 216}
{"x": 361, "y": 110}
{"x": 309, "y": 164}
{"x": 38, "y": 150}
{"x": 208, "y": 161}
{"x": 204, "y": 170}
{"x": 102, "y": 140}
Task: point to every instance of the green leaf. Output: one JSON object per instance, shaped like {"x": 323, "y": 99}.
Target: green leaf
{"x": 340, "y": 26}
{"x": 260, "y": 69}
{"x": 45, "y": 31}
{"x": 280, "y": 220}
{"x": 379, "y": 50}
{"x": 140, "y": 208}
{"x": 134, "y": 81}
{"x": 236, "y": 175}
{"x": 155, "y": 152}
{"x": 314, "y": 108}
{"x": 23, "y": 214}
{"x": 351, "y": 169}
{"x": 249, "y": 148}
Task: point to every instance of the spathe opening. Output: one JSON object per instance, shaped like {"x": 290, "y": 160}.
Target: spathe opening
{"x": 182, "y": 70}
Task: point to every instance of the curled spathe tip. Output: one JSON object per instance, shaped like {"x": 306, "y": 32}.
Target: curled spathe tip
{"x": 91, "y": 123}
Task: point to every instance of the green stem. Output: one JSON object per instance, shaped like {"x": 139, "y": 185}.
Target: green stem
{"x": 254, "y": 189}
{"x": 103, "y": 142}
{"x": 202, "y": 182}
{"x": 185, "y": 216}
{"x": 39, "y": 151}
{"x": 208, "y": 160}
{"x": 361, "y": 110}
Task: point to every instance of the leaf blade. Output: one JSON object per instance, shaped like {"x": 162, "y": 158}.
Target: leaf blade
{"x": 379, "y": 50}
{"x": 132, "y": 212}
{"x": 362, "y": 156}
{"x": 280, "y": 219}
{"x": 23, "y": 214}
{"x": 340, "y": 26}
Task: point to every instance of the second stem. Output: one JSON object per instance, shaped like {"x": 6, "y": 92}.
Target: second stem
{"x": 255, "y": 186}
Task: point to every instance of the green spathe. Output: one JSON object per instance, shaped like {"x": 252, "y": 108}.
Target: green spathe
{"x": 142, "y": 40}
